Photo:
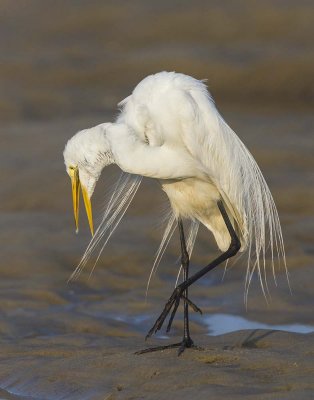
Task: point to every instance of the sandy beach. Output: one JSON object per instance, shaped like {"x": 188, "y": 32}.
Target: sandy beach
{"x": 63, "y": 71}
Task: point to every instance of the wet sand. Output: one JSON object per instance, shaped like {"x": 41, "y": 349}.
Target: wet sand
{"x": 250, "y": 365}
{"x": 78, "y": 340}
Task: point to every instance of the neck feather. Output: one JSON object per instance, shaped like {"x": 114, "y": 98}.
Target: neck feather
{"x": 98, "y": 153}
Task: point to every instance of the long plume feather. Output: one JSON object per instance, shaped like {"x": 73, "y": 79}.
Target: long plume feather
{"x": 121, "y": 198}
{"x": 169, "y": 231}
{"x": 257, "y": 214}
{"x": 245, "y": 193}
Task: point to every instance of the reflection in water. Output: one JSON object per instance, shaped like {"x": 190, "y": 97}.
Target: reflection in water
{"x": 218, "y": 324}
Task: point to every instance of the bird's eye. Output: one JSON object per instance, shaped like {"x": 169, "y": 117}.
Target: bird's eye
{"x": 72, "y": 170}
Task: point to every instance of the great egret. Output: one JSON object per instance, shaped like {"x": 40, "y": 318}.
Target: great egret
{"x": 169, "y": 129}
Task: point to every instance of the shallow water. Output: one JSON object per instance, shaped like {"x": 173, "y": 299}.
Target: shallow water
{"x": 219, "y": 324}
{"x": 216, "y": 324}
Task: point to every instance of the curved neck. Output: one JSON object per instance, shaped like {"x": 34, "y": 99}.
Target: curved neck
{"x": 137, "y": 157}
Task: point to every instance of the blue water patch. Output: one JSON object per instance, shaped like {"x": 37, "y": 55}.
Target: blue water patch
{"x": 218, "y": 324}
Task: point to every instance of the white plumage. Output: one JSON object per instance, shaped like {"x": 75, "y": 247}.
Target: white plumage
{"x": 169, "y": 129}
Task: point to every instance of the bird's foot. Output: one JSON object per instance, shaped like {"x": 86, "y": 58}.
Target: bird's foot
{"x": 173, "y": 302}
{"x": 186, "y": 343}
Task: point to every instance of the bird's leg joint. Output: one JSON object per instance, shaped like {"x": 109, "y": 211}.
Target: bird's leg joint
{"x": 179, "y": 290}
{"x": 235, "y": 246}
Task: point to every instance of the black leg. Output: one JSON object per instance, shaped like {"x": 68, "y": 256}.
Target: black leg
{"x": 187, "y": 342}
{"x": 179, "y": 291}
{"x": 185, "y": 262}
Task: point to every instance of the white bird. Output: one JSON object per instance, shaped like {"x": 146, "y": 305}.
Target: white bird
{"x": 169, "y": 129}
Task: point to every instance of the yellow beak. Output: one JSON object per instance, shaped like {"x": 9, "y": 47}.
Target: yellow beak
{"x": 88, "y": 208}
{"x": 76, "y": 184}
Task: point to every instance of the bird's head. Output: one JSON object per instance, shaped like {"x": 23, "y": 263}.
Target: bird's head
{"x": 85, "y": 155}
